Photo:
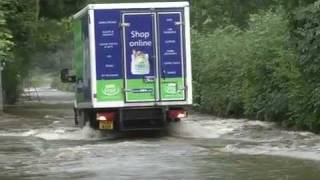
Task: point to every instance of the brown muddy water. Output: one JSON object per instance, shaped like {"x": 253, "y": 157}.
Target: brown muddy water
{"x": 39, "y": 141}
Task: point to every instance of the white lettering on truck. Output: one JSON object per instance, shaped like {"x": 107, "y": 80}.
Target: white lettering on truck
{"x": 140, "y": 42}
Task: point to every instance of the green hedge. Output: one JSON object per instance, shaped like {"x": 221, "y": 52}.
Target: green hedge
{"x": 253, "y": 73}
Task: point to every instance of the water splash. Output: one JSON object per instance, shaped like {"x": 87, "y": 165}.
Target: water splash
{"x": 201, "y": 126}
{"x": 267, "y": 149}
{"x": 59, "y": 133}
{"x": 250, "y": 137}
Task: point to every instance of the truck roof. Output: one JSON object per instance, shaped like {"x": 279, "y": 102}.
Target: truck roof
{"x": 131, "y": 6}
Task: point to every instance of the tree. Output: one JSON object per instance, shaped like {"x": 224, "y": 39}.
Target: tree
{"x": 5, "y": 33}
{"x": 209, "y": 15}
{"x": 35, "y": 27}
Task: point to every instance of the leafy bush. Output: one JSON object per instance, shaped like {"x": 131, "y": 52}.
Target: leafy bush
{"x": 252, "y": 73}
{"x": 218, "y": 70}
{"x": 306, "y": 35}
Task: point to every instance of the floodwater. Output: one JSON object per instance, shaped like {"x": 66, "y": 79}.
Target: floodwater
{"x": 39, "y": 141}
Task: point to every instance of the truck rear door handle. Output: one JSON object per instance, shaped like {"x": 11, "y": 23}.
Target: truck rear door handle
{"x": 149, "y": 79}
{"x": 178, "y": 23}
{"x": 164, "y": 74}
{"x": 125, "y": 24}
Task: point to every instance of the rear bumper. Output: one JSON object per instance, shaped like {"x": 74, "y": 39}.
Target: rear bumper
{"x": 135, "y": 119}
{"x": 141, "y": 118}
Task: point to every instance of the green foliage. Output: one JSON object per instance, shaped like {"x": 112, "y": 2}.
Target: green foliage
{"x": 217, "y": 71}
{"x": 257, "y": 73}
{"x": 5, "y": 33}
{"x": 40, "y": 32}
{"x": 212, "y": 14}
{"x": 306, "y": 36}
{"x": 246, "y": 72}
{"x": 50, "y": 33}
{"x": 21, "y": 20}
{"x": 270, "y": 67}
{"x": 59, "y": 9}
{"x": 294, "y": 4}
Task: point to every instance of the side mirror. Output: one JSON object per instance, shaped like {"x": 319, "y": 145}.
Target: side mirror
{"x": 65, "y": 77}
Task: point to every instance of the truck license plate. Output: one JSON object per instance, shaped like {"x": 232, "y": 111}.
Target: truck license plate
{"x": 106, "y": 125}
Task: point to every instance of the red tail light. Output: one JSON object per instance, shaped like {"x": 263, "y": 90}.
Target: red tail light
{"x": 177, "y": 114}
{"x": 106, "y": 116}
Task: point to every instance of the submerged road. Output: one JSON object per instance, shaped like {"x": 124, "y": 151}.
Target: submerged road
{"x": 39, "y": 141}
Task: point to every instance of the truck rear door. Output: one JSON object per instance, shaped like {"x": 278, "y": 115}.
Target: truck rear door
{"x": 153, "y": 56}
{"x": 140, "y": 57}
{"x": 171, "y": 53}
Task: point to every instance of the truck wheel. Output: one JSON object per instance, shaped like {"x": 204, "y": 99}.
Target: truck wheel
{"x": 81, "y": 118}
{"x": 76, "y": 116}
{"x": 92, "y": 119}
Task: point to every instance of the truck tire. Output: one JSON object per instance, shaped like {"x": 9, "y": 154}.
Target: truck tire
{"x": 76, "y": 116}
{"x": 91, "y": 119}
{"x": 81, "y": 118}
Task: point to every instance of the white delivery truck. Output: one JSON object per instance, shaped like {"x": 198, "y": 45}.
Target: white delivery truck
{"x": 132, "y": 65}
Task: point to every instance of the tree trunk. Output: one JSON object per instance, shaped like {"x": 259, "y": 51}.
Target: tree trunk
{"x": 37, "y": 10}
{"x": 1, "y": 95}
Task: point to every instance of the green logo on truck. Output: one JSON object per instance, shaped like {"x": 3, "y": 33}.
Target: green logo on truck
{"x": 111, "y": 90}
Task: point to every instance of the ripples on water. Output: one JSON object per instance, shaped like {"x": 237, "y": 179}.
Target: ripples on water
{"x": 199, "y": 146}
{"x": 245, "y": 137}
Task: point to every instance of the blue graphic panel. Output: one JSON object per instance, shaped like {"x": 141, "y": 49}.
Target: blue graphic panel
{"x": 108, "y": 44}
{"x": 171, "y": 58}
{"x": 139, "y": 44}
